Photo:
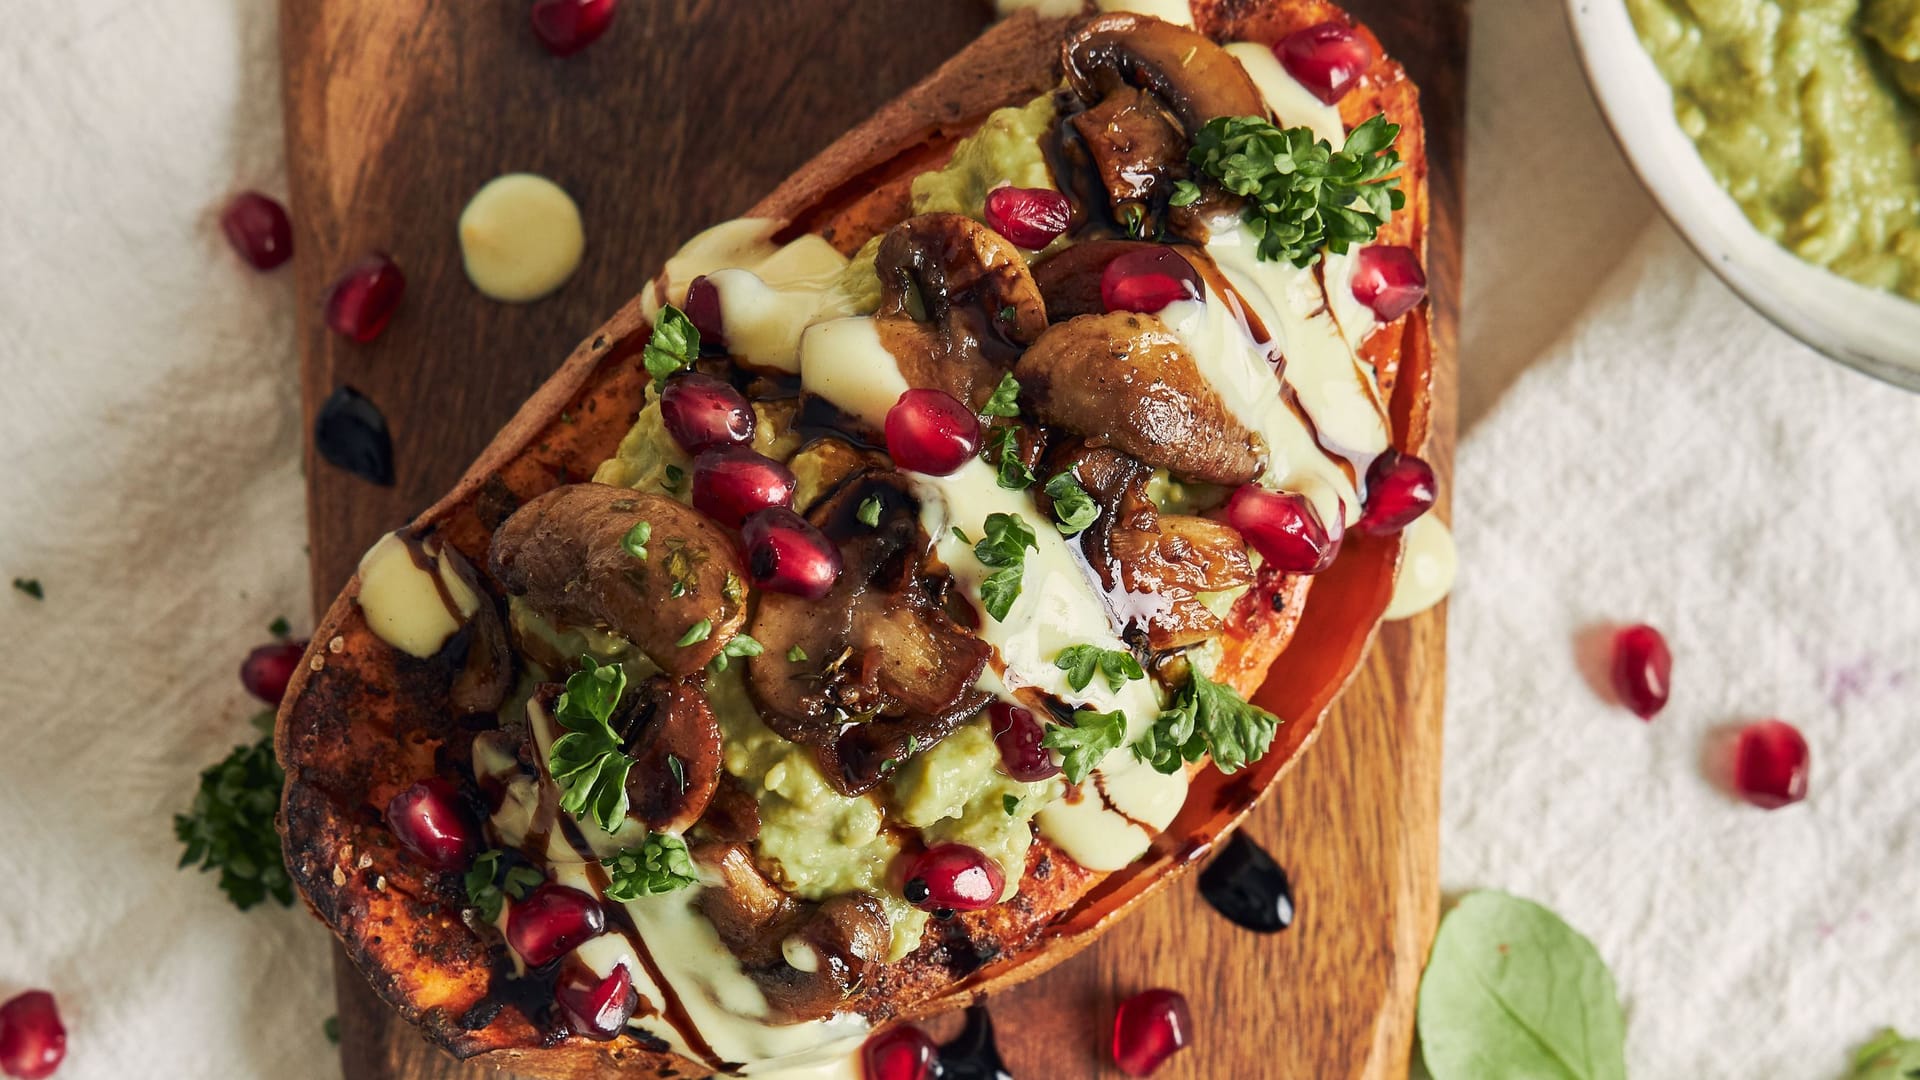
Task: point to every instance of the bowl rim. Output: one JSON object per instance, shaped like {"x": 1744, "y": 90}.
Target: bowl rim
{"x": 1869, "y": 330}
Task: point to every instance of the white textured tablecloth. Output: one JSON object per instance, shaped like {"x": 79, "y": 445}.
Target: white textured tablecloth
{"x": 1637, "y": 446}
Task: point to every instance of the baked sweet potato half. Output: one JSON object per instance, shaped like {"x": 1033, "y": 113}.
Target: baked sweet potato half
{"x": 918, "y": 575}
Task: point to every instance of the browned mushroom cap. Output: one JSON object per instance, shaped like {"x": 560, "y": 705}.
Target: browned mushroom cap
{"x": 675, "y": 747}
{"x": 563, "y": 553}
{"x": 1195, "y": 78}
{"x": 1125, "y": 379}
{"x": 487, "y": 670}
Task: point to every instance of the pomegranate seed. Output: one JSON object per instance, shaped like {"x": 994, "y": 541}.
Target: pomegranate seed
{"x": 1147, "y": 280}
{"x": 732, "y": 482}
{"x": 1770, "y": 764}
{"x": 702, "y": 412}
{"x": 552, "y": 921}
{"x": 431, "y": 820}
{"x": 1283, "y": 528}
{"x": 362, "y": 300}
{"x": 1641, "y": 669}
{"x": 1149, "y": 1028}
{"x": 258, "y": 229}
{"x": 900, "y": 1053}
{"x": 953, "y": 877}
{"x": 33, "y": 1042}
{"x": 567, "y": 26}
{"x": 1030, "y": 217}
{"x": 788, "y": 555}
{"x": 267, "y": 670}
{"x": 1018, "y": 736}
{"x": 1400, "y": 487}
{"x": 1327, "y": 59}
{"x": 1388, "y": 279}
{"x": 703, "y": 310}
{"x": 932, "y": 432}
{"x": 595, "y": 1007}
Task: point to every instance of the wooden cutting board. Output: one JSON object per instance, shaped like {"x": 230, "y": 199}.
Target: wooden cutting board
{"x": 683, "y": 115}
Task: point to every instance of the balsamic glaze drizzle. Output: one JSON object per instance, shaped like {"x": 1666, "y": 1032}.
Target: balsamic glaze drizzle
{"x": 972, "y": 1054}
{"x": 1246, "y": 886}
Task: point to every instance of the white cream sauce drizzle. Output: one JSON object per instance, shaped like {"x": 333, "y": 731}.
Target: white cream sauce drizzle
{"x": 1427, "y": 566}
{"x": 404, "y": 603}
{"x": 768, "y": 292}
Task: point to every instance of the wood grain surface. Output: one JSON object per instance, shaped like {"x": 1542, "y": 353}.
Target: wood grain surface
{"x": 683, "y": 115}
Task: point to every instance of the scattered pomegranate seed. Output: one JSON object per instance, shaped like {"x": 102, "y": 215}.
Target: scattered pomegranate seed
{"x": 1149, "y": 1028}
{"x": 932, "y": 432}
{"x": 702, "y": 412}
{"x": 362, "y": 301}
{"x": 1018, "y": 736}
{"x": 1400, "y": 487}
{"x": 597, "y": 1008}
{"x": 267, "y": 669}
{"x": 1148, "y": 279}
{"x": 1770, "y": 764}
{"x": 552, "y": 921}
{"x": 1642, "y": 667}
{"x": 1327, "y": 59}
{"x": 258, "y": 229}
{"x": 33, "y": 1042}
{"x": 567, "y": 26}
{"x": 953, "y": 877}
{"x": 1030, "y": 217}
{"x": 1388, "y": 279}
{"x": 703, "y": 310}
{"x": 1283, "y": 528}
{"x": 431, "y": 820}
{"x": 732, "y": 482}
{"x": 787, "y": 555}
{"x": 902, "y": 1052}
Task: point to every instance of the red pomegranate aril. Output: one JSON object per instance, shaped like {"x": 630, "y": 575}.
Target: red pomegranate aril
{"x": 732, "y": 482}
{"x": 269, "y": 668}
{"x": 1388, "y": 279}
{"x": 553, "y": 921}
{"x": 1400, "y": 487}
{"x": 258, "y": 229}
{"x": 1642, "y": 667}
{"x": 1018, "y": 735}
{"x": 703, "y": 310}
{"x": 1149, "y": 1028}
{"x": 899, "y": 1053}
{"x": 595, "y": 1007}
{"x": 33, "y": 1042}
{"x": 1147, "y": 280}
{"x": 932, "y": 432}
{"x": 567, "y": 26}
{"x": 1283, "y": 528}
{"x": 953, "y": 877}
{"x": 786, "y": 554}
{"x": 362, "y": 300}
{"x": 1327, "y": 59}
{"x": 1030, "y": 217}
{"x": 1770, "y": 764}
{"x": 431, "y": 820}
{"x": 702, "y": 412}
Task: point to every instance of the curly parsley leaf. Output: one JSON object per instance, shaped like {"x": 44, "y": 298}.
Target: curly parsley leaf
{"x": 229, "y": 828}
{"x": 588, "y": 763}
{"x": 635, "y": 542}
{"x": 1083, "y": 746}
{"x": 1073, "y": 508}
{"x": 1004, "y": 547}
{"x": 489, "y": 884}
{"x": 739, "y": 646}
{"x": 659, "y": 865}
{"x": 1080, "y": 662}
{"x": 675, "y": 344}
{"x": 1300, "y": 191}
{"x": 1003, "y": 446}
{"x": 1208, "y": 718}
{"x": 1006, "y": 398}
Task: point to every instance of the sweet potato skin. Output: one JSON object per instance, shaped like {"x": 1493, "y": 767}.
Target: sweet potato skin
{"x": 362, "y": 721}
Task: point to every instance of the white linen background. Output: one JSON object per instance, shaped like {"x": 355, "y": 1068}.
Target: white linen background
{"x": 1637, "y": 446}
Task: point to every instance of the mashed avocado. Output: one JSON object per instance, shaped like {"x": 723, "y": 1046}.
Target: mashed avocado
{"x": 1796, "y": 107}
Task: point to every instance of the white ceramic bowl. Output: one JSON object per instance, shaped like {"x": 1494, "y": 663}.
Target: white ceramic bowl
{"x": 1876, "y": 332}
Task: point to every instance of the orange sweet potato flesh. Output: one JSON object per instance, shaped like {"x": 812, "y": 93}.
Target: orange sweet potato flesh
{"x": 362, "y": 721}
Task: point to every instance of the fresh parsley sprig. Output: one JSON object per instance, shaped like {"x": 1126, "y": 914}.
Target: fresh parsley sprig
{"x": 489, "y": 884}
{"x": 674, "y": 344}
{"x": 1080, "y": 662}
{"x": 1006, "y": 398}
{"x": 229, "y": 828}
{"x": 660, "y": 864}
{"x": 588, "y": 763}
{"x": 1300, "y": 191}
{"x": 1003, "y": 445}
{"x": 1005, "y": 547}
{"x": 1084, "y": 745}
{"x": 1208, "y": 718}
{"x": 1073, "y": 508}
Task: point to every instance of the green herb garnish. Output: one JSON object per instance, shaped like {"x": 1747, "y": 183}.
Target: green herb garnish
{"x": 740, "y": 645}
{"x": 1003, "y": 446}
{"x": 1083, "y": 746}
{"x": 1005, "y": 548}
{"x": 30, "y": 586}
{"x": 675, "y": 476}
{"x": 696, "y": 633}
{"x": 279, "y": 626}
{"x": 679, "y": 772}
{"x": 675, "y": 344}
{"x": 230, "y": 825}
{"x": 960, "y": 534}
{"x": 1081, "y": 661}
{"x": 588, "y": 763}
{"x": 330, "y": 1027}
{"x": 659, "y": 865}
{"x": 1073, "y": 508}
{"x": 796, "y": 654}
{"x": 1010, "y": 803}
{"x": 1005, "y": 400}
{"x": 869, "y": 511}
{"x": 1300, "y": 191}
{"x": 488, "y": 885}
{"x": 635, "y": 542}
{"x": 1207, "y": 717}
